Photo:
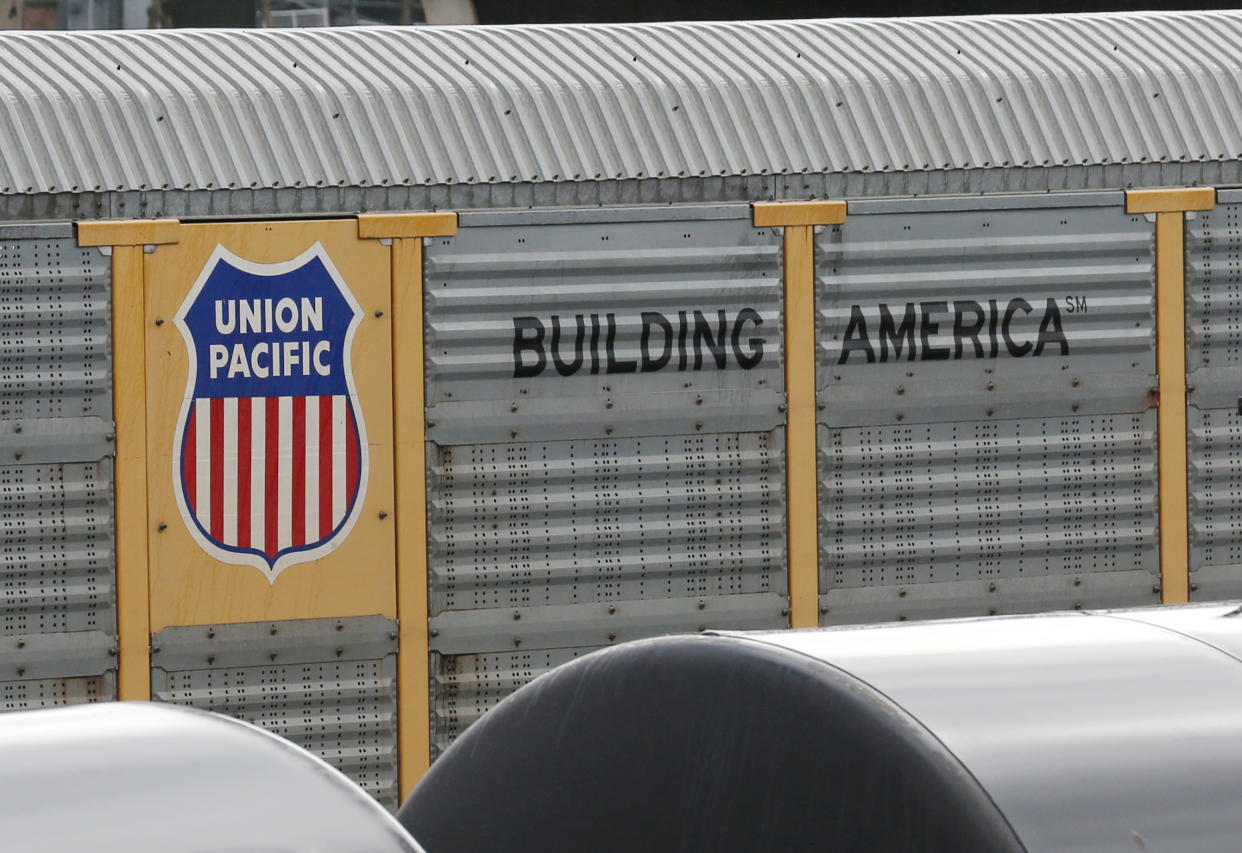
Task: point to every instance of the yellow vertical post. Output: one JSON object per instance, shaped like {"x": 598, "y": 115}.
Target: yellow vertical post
{"x": 409, "y": 436}
{"x": 129, "y": 413}
{"x": 1170, "y": 206}
{"x": 801, "y": 470}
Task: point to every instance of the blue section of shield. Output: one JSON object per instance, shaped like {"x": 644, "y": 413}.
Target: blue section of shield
{"x": 269, "y": 335}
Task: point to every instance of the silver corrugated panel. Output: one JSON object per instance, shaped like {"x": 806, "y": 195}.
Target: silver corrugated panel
{"x": 928, "y": 314}
{"x": 588, "y": 324}
{"x": 58, "y": 565}
{"x": 978, "y": 517}
{"x": 987, "y": 427}
{"x": 1213, "y": 418}
{"x": 329, "y": 685}
{"x": 567, "y": 522}
{"x": 374, "y": 107}
{"x": 55, "y": 321}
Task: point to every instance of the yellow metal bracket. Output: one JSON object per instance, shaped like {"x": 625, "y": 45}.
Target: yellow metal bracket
{"x": 1170, "y": 207}
{"x": 798, "y": 218}
{"x": 128, "y": 232}
{"x": 129, "y": 413}
{"x": 406, "y": 225}
{"x": 409, "y": 435}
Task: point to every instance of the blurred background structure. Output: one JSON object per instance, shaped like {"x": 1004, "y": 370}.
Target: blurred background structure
{"x": 139, "y": 14}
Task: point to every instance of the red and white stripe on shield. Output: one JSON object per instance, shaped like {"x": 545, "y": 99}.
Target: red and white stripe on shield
{"x": 270, "y": 474}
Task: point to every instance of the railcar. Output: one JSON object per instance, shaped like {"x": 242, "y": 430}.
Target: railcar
{"x": 352, "y": 378}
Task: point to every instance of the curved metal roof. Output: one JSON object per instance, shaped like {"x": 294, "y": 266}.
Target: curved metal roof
{"x": 109, "y": 111}
{"x": 140, "y": 778}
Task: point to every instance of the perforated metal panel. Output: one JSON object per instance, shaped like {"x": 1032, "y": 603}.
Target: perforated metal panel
{"x": 1214, "y": 388}
{"x": 57, "y": 553}
{"x": 54, "y": 328}
{"x": 987, "y": 440}
{"x": 53, "y": 692}
{"x": 326, "y": 684}
{"x": 567, "y": 522}
{"x": 605, "y": 455}
{"x": 42, "y": 670}
{"x": 57, "y": 538}
{"x": 988, "y": 509}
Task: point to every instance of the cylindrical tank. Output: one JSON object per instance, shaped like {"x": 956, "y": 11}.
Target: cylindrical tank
{"x": 1105, "y": 731}
{"x": 135, "y": 777}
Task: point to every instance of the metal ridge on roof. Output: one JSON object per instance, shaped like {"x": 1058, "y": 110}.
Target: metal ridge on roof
{"x": 220, "y": 109}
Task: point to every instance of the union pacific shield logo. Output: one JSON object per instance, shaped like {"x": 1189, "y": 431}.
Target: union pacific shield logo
{"x": 270, "y": 454}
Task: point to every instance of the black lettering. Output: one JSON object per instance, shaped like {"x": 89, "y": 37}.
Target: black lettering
{"x": 594, "y": 344}
{"x": 992, "y": 314}
{"x": 567, "y": 368}
{"x": 1015, "y": 349}
{"x": 927, "y": 328}
{"x": 896, "y": 335}
{"x": 650, "y": 319}
{"x": 681, "y": 340}
{"x": 747, "y": 360}
{"x": 1050, "y": 329}
{"x": 616, "y": 365}
{"x": 715, "y": 343}
{"x": 522, "y": 343}
{"x": 962, "y": 331}
{"x": 856, "y": 337}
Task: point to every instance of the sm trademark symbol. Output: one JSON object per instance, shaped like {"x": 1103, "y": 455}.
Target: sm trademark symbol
{"x": 1075, "y": 305}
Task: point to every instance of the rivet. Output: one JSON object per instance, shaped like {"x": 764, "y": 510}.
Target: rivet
{"x": 21, "y": 644}
{"x": 383, "y": 514}
{"x": 901, "y": 593}
{"x": 517, "y": 614}
{"x": 379, "y": 313}
{"x": 159, "y": 321}
{"x": 991, "y": 587}
{"x": 702, "y": 605}
{"x": 340, "y": 652}
{"x": 517, "y": 641}
{"x": 513, "y": 407}
{"x": 21, "y": 670}
{"x": 272, "y": 631}
{"x": 17, "y": 428}
{"x": 211, "y": 634}
{"x": 612, "y": 637}
{"x": 162, "y": 526}
{"x": 272, "y": 656}
{"x": 611, "y": 610}
{"x": 210, "y": 660}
